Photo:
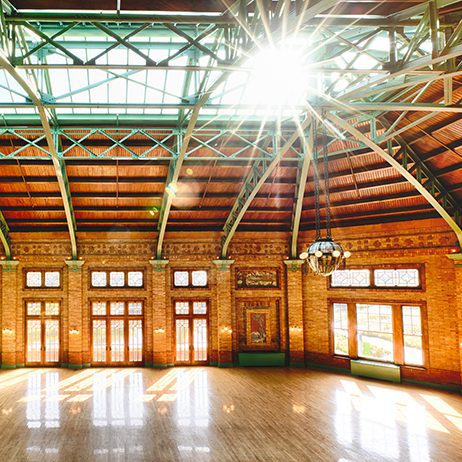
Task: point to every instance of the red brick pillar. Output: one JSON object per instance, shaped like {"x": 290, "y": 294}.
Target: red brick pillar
{"x": 75, "y": 316}
{"x": 457, "y": 258}
{"x": 10, "y": 280}
{"x": 295, "y": 311}
{"x": 224, "y": 312}
{"x": 162, "y": 330}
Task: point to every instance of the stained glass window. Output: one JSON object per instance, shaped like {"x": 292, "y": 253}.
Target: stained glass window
{"x": 351, "y": 278}
{"x": 51, "y": 308}
{"x": 52, "y": 279}
{"x": 135, "y": 308}
{"x": 182, "y": 307}
{"x": 34, "y": 279}
{"x": 135, "y": 279}
{"x": 116, "y": 278}
{"x": 33, "y": 308}
{"x": 200, "y": 307}
{"x": 181, "y": 278}
{"x": 117, "y": 308}
{"x": 397, "y": 277}
{"x": 199, "y": 278}
{"x": 99, "y": 308}
{"x": 98, "y": 279}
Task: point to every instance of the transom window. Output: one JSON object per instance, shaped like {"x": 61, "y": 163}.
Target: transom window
{"x": 377, "y": 278}
{"x": 43, "y": 279}
{"x": 190, "y": 278}
{"x": 383, "y": 332}
{"x": 116, "y": 279}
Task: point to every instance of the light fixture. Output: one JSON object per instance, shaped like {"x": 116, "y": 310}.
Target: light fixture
{"x": 324, "y": 255}
{"x": 74, "y": 332}
{"x": 8, "y": 331}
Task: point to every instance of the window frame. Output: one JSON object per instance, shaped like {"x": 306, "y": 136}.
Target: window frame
{"x": 43, "y": 271}
{"x": 189, "y": 271}
{"x": 116, "y": 270}
{"x": 415, "y": 266}
{"x": 397, "y": 323}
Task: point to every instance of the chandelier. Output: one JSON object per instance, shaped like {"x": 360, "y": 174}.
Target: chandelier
{"x": 324, "y": 255}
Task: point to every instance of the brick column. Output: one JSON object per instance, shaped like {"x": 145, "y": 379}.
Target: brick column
{"x": 295, "y": 312}
{"x": 224, "y": 312}
{"x": 457, "y": 258}
{"x": 75, "y": 315}
{"x": 10, "y": 279}
{"x": 161, "y": 328}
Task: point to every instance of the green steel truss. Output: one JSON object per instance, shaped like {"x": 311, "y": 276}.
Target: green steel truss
{"x": 163, "y": 87}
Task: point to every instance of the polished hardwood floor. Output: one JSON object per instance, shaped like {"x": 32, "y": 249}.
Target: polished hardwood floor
{"x": 209, "y": 414}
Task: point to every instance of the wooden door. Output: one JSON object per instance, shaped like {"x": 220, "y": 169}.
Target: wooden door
{"x": 117, "y": 333}
{"x": 191, "y": 334}
{"x": 43, "y": 333}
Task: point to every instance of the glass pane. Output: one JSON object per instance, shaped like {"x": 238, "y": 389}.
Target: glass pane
{"x": 351, "y": 278}
{"x": 135, "y": 308}
{"x": 181, "y": 279}
{"x": 375, "y": 331}
{"x": 413, "y": 353}
{"x": 99, "y": 308}
{"x": 34, "y": 279}
{"x": 341, "y": 341}
{"x": 181, "y": 307}
{"x": 200, "y": 339}
{"x": 135, "y": 340}
{"x": 117, "y": 308}
{"x": 34, "y": 308}
{"x": 407, "y": 277}
{"x": 199, "y": 278}
{"x": 99, "y": 340}
{"x": 52, "y": 278}
{"x": 200, "y": 307}
{"x": 51, "y": 308}
{"x": 182, "y": 340}
{"x": 412, "y": 323}
{"x": 116, "y": 278}
{"x": 117, "y": 340}
{"x": 51, "y": 340}
{"x": 98, "y": 279}
{"x": 135, "y": 279}
{"x": 34, "y": 342}
{"x": 384, "y": 278}
{"x": 341, "y": 315}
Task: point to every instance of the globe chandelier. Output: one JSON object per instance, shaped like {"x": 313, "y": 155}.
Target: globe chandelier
{"x": 324, "y": 255}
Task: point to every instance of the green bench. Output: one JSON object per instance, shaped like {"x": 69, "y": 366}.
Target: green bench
{"x": 375, "y": 370}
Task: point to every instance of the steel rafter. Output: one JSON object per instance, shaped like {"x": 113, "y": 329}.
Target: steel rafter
{"x": 408, "y": 164}
{"x": 302, "y": 176}
{"x": 5, "y": 237}
{"x": 257, "y": 176}
{"x": 57, "y": 162}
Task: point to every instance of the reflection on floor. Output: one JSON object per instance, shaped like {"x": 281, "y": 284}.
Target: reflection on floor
{"x": 222, "y": 415}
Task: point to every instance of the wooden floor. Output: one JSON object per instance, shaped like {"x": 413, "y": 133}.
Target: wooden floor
{"x": 209, "y": 414}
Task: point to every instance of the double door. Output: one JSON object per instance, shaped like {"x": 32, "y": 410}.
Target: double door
{"x": 117, "y": 333}
{"x": 191, "y": 332}
{"x": 42, "y": 333}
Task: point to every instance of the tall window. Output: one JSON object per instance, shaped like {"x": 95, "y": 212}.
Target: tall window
{"x": 392, "y": 332}
{"x": 375, "y": 331}
{"x": 341, "y": 328}
{"x": 412, "y": 335}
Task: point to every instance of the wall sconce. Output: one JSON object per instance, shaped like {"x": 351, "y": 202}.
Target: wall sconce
{"x": 226, "y": 330}
{"x": 295, "y": 329}
{"x": 8, "y": 331}
{"x": 160, "y": 330}
{"x": 74, "y": 331}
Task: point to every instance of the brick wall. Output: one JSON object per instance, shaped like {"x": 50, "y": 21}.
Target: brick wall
{"x": 303, "y": 299}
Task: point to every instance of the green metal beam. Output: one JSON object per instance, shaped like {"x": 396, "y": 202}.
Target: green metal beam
{"x": 415, "y": 172}
{"x": 5, "y": 237}
{"x": 252, "y": 184}
{"x": 302, "y": 176}
{"x": 57, "y": 163}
